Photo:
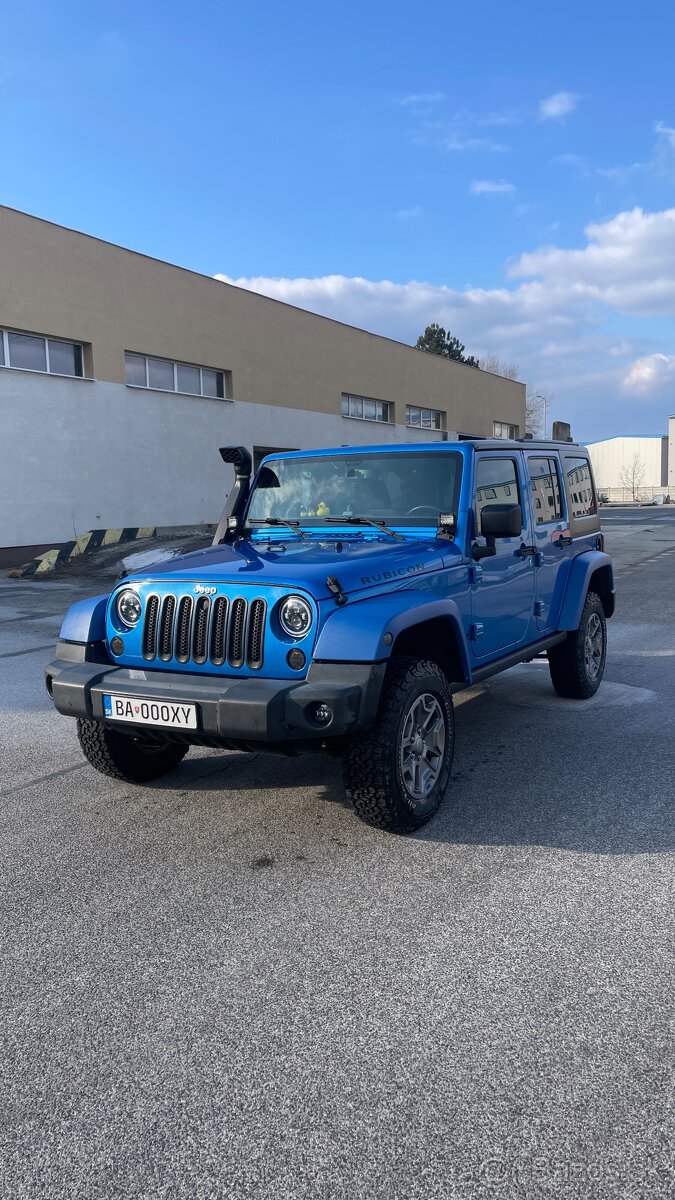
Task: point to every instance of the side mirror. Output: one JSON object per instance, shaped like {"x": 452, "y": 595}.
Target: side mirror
{"x": 501, "y": 520}
{"x": 497, "y": 521}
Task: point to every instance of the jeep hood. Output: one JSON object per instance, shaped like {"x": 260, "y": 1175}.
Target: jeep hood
{"x": 361, "y": 562}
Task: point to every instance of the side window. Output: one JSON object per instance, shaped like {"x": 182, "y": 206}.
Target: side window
{"x": 580, "y": 488}
{"x": 545, "y": 489}
{"x": 496, "y": 483}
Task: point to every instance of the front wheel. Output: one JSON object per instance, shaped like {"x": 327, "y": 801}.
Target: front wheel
{"x": 577, "y": 665}
{"x": 397, "y": 774}
{"x": 127, "y": 756}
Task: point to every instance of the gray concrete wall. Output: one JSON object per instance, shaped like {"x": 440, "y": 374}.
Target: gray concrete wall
{"x": 79, "y": 454}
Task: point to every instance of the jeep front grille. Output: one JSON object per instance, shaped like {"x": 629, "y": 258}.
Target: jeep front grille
{"x": 219, "y": 631}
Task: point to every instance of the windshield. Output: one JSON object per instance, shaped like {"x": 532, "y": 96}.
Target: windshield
{"x": 402, "y": 488}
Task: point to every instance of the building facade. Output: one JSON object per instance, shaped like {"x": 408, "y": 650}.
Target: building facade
{"x": 636, "y": 466}
{"x": 121, "y": 375}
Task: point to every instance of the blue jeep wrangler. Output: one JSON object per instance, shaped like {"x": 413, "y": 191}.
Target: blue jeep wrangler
{"x": 347, "y": 594}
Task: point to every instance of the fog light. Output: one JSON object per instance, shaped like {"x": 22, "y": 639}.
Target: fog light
{"x": 295, "y": 659}
{"x": 117, "y": 645}
{"x": 323, "y": 715}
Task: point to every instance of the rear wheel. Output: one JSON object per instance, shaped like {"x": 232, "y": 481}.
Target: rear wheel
{"x": 397, "y": 774}
{"x": 577, "y": 665}
{"x": 127, "y": 756}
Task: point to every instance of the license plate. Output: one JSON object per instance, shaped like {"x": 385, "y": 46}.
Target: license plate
{"x": 150, "y": 712}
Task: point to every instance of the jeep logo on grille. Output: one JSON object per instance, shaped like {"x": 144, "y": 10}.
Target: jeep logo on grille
{"x": 204, "y": 591}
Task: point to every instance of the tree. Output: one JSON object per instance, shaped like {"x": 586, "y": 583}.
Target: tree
{"x": 497, "y": 366}
{"x": 436, "y": 340}
{"x": 536, "y": 408}
{"x": 633, "y": 475}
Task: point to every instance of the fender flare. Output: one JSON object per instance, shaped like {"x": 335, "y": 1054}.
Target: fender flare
{"x": 578, "y": 579}
{"x": 85, "y": 621}
{"x": 356, "y": 632}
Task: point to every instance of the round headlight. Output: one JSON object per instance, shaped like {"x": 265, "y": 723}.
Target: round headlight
{"x": 129, "y": 608}
{"x": 295, "y": 616}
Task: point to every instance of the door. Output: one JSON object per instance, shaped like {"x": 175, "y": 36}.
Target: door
{"x": 502, "y": 590}
{"x": 552, "y": 540}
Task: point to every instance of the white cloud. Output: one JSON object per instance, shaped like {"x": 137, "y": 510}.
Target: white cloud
{"x": 458, "y": 143}
{"x": 491, "y": 187}
{"x": 628, "y": 264}
{"x": 651, "y": 373}
{"x": 549, "y": 316}
{"x": 665, "y": 131}
{"x": 409, "y": 214}
{"x": 421, "y": 99}
{"x": 557, "y": 106}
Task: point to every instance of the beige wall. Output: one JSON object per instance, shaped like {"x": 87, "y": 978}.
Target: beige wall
{"x": 59, "y": 282}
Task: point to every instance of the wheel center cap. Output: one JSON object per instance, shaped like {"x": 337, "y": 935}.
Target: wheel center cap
{"x": 419, "y": 744}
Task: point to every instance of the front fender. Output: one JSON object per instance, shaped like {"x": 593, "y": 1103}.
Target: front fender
{"x": 356, "y": 632}
{"x": 85, "y": 621}
{"x": 583, "y": 567}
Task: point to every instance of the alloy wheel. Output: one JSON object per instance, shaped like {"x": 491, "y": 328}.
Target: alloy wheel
{"x": 422, "y": 746}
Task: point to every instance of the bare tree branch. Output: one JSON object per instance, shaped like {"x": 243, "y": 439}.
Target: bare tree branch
{"x": 496, "y": 366}
{"x": 633, "y": 475}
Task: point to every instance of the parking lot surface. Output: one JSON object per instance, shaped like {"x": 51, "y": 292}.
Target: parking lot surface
{"x": 224, "y": 985}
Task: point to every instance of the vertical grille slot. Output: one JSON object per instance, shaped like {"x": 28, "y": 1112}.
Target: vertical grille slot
{"x": 201, "y": 628}
{"x": 183, "y": 629}
{"x": 255, "y": 634}
{"x": 150, "y": 627}
{"x": 237, "y": 627}
{"x": 218, "y": 628}
{"x": 165, "y": 640}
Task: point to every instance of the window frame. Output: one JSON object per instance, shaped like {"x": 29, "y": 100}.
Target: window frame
{"x": 353, "y": 416}
{"x": 175, "y": 363}
{"x": 552, "y": 468}
{"x": 423, "y": 411}
{"x": 589, "y": 522}
{"x": 510, "y": 437}
{"x": 45, "y": 338}
{"x": 492, "y": 457}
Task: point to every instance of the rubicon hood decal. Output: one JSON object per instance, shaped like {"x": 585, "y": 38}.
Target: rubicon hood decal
{"x": 358, "y": 563}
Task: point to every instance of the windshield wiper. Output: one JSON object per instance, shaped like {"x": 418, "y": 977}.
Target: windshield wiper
{"x": 366, "y": 521}
{"x": 280, "y": 521}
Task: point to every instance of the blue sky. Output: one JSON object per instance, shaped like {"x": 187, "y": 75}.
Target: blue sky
{"x": 506, "y": 170}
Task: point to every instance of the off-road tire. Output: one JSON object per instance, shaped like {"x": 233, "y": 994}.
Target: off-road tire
{"x": 372, "y": 772}
{"x": 123, "y": 755}
{"x": 568, "y": 660}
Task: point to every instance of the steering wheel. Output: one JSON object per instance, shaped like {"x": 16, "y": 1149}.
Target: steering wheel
{"x": 422, "y": 508}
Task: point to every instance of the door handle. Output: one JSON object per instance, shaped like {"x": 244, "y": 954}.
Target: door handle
{"x": 524, "y": 551}
{"x": 563, "y": 541}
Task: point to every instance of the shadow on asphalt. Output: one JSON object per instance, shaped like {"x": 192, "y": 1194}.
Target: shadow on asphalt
{"x": 520, "y": 778}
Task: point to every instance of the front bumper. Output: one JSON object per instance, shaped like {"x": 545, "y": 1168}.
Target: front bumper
{"x": 230, "y": 710}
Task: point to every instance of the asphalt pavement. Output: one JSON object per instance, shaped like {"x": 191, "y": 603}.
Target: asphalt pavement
{"x": 224, "y": 985}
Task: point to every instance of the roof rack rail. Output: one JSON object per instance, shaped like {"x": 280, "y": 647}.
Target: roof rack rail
{"x": 569, "y": 441}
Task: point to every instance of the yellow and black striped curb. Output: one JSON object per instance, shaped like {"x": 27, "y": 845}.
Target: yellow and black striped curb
{"x": 84, "y": 544}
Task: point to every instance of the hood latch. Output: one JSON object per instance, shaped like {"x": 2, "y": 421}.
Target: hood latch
{"x": 333, "y": 584}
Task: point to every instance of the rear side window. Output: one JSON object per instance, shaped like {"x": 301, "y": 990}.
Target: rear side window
{"x": 545, "y": 490}
{"x": 496, "y": 483}
{"x": 580, "y": 488}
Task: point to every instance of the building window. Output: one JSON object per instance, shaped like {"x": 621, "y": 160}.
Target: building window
{"x": 29, "y": 352}
{"x": 163, "y": 375}
{"x": 365, "y": 409}
{"x": 501, "y": 429}
{"x": 423, "y": 418}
